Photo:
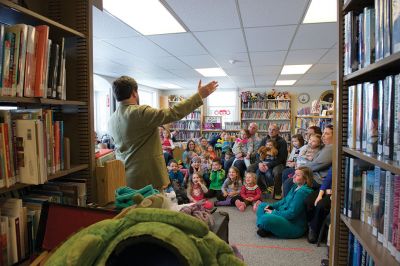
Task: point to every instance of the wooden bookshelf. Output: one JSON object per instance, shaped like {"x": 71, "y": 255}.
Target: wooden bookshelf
{"x": 45, "y": 101}
{"x": 340, "y": 224}
{"x": 14, "y": 187}
{"x": 375, "y": 160}
{"x": 315, "y": 116}
{"x": 363, "y": 232}
{"x": 73, "y": 169}
{"x": 13, "y": 14}
{"x": 356, "y": 5}
{"x": 384, "y": 67}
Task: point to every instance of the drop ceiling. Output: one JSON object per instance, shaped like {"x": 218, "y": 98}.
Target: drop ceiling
{"x": 250, "y": 39}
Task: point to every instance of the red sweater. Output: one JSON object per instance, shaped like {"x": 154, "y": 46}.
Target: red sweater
{"x": 248, "y": 191}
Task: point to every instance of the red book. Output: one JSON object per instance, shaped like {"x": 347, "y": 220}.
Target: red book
{"x": 42, "y": 33}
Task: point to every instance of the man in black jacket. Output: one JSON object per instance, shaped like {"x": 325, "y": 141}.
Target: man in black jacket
{"x": 277, "y": 165}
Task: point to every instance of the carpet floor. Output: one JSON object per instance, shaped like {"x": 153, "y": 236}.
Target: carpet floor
{"x": 270, "y": 250}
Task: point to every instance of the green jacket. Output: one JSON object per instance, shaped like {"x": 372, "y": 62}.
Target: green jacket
{"x": 292, "y": 206}
{"x": 217, "y": 178}
{"x": 134, "y": 129}
{"x": 190, "y": 236}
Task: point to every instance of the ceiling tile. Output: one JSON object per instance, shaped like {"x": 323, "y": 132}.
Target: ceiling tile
{"x": 238, "y": 71}
{"x": 332, "y": 76}
{"x": 243, "y": 81}
{"x": 222, "y": 42}
{"x": 138, "y": 46}
{"x": 289, "y": 77}
{"x": 187, "y": 73}
{"x": 317, "y": 35}
{"x": 240, "y": 60}
{"x": 106, "y": 26}
{"x": 258, "y": 13}
{"x": 322, "y": 68}
{"x": 169, "y": 62}
{"x": 267, "y": 58}
{"x": 315, "y": 76}
{"x": 301, "y": 57}
{"x": 179, "y": 44}
{"x": 199, "y": 61}
{"x": 206, "y": 14}
{"x": 264, "y": 81}
{"x": 266, "y": 70}
{"x": 305, "y": 82}
{"x": 331, "y": 57}
{"x": 269, "y": 38}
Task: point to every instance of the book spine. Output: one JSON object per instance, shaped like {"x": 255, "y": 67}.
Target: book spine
{"x": 396, "y": 118}
{"x": 396, "y": 26}
{"x": 388, "y": 118}
{"x": 372, "y": 119}
{"x": 359, "y": 116}
{"x": 381, "y": 124}
{"x": 375, "y": 208}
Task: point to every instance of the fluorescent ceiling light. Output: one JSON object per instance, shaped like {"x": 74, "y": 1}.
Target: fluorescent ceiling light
{"x": 148, "y": 17}
{"x": 171, "y": 86}
{"x": 295, "y": 69}
{"x": 285, "y": 82}
{"x": 211, "y": 72}
{"x": 320, "y": 11}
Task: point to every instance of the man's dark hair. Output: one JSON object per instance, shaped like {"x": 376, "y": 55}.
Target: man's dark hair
{"x": 317, "y": 130}
{"x": 123, "y": 87}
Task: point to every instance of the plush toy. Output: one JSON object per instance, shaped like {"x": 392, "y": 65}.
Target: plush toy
{"x": 102, "y": 243}
{"x": 286, "y": 95}
{"x": 124, "y": 195}
{"x": 265, "y": 152}
{"x": 272, "y": 94}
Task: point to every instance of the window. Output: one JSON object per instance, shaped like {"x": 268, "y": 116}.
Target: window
{"x": 223, "y": 103}
{"x": 102, "y": 110}
{"x": 147, "y": 96}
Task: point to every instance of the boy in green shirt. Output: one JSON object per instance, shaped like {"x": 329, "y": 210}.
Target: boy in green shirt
{"x": 217, "y": 178}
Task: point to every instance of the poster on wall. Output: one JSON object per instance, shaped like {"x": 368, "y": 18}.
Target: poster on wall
{"x": 212, "y": 123}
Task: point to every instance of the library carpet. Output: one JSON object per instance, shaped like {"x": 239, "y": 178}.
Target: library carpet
{"x": 270, "y": 250}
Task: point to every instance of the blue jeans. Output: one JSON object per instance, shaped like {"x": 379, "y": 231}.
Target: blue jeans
{"x": 287, "y": 182}
{"x": 265, "y": 180}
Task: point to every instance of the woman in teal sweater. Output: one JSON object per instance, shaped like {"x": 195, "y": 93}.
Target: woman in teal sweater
{"x": 287, "y": 218}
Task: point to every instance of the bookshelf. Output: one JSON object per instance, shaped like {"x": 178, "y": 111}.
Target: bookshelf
{"x": 264, "y": 111}
{"x": 361, "y": 73}
{"x": 190, "y": 126}
{"x": 302, "y": 122}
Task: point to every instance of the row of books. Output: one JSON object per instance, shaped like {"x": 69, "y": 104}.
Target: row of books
{"x": 374, "y": 117}
{"x": 266, "y": 115}
{"x": 358, "y": 255}
{"x": 267, "y": 105}
{"x": 371, "y": 35}
{"x": 31, "y": 64}
{"x": 20, "y": 216}
{"x": 193, "y": 116}
{"x": 373, "y": 196}
{"x": 232, "y": 125}
{"x": 32, "y": 146}
{"x": 186, "y": 125}
{"x": 263, "y": 126}
{"x": 302, "y": 122}
{"x": 186, "y": 135}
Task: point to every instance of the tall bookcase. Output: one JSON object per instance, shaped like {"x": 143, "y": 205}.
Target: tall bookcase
{"x": 376, "y": 70}
{"x": 264, "y": 112}
{"x": 302, "y": 122}
{"x": 73, "y": 21}
{"x": 189, "y": 127}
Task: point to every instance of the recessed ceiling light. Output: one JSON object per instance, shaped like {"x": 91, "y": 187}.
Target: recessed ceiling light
{"x": 295, "y": 69}
{"x": 211, "y": 72}
{"x": 171, "y": 86}
{"x": 148, "y": 17}
{"x": 285, "y": 82}
{"x": 320, "y": 11}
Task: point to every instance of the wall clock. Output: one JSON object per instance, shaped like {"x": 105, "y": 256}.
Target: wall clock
{"x": 303, "y": 98}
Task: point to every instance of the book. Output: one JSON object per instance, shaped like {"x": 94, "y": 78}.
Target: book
{"x": 371, "y": 118}
{"x": 369, "y": 43}
{"x": 369, "y": 196}
{"x": 42, "y": 32}
{"x": 357, "y": 166}
{"x": 381, "y": 123}
{"x": 359, "y": 116}
{"x": 376, "y": 202}
{"x": 388, "y": 117}
{"x": 396, "y": 122}
{"x": 30, "y": 62}
{"x": 351, "y": 130}
{"x": 15, "y": 73}
{"x": 395, "y": 222}
{"x": 395, "y": 25}
{"x": 363, "y": 196}
{"x": 387, "y": 25}
{"x": 1, "y": 54}
{"x": 388, "y": 214}
{"x": 381, "y": 213}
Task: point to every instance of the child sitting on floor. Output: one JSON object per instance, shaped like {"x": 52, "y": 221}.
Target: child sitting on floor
{"x": 240, "y": 147}
{"x": 175, "y": 175}
{"x": 231, "y": 187}
{"x": 249, "y": 194}
{"x": 196, "y": 190}
{"x": 217, "y": 177}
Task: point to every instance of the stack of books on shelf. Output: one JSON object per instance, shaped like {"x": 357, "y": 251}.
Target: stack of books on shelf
{"x": 31, "y": 64}
{"x": 374, "y": 117}
{"x": 32, "y": 146}
{"x": 232, "y": 126}
{"x": 358, "y": 255}
{"x": 371, "y": 35}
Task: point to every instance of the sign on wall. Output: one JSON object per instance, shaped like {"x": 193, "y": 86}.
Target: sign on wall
{"x": 212, "y": 122}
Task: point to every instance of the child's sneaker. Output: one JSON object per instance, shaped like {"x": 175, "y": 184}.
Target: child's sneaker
{"x": 255, "y": 206}
{"x": 240, "y": 205}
